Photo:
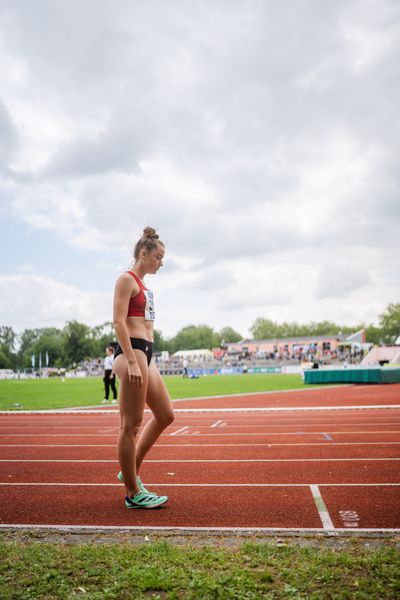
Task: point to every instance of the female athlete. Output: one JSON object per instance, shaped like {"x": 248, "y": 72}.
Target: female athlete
{"x": 140, "y": 380}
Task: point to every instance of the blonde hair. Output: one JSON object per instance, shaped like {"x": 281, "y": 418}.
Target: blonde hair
{"x": 149, "y": 241}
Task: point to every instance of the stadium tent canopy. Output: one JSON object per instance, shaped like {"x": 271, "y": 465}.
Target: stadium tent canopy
{"x": 193, "y": 354}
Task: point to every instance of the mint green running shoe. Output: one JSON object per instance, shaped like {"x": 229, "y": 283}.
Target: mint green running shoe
{"x": 140, "y": 484}
{"x": 141, "y": 500}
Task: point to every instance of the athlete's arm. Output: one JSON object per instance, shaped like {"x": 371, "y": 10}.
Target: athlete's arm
{"x": 125, "y": 287}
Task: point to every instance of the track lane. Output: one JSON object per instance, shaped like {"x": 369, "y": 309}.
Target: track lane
{"x": 261, "y": 437}
{"x": 339, "y": 396}
{"x": 260, "y": 429}
{"x": 279, "y": 471}
{"x": 363, "y": 506}
{"x": 324, "y": 449}
{"x": 196, "y": 488}
{"x": 198, "y": 507}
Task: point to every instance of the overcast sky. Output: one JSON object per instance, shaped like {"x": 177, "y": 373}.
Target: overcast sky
{"x": 259, "y": 137}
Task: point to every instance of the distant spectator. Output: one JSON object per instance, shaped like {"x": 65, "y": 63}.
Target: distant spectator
{"x": 109, "y": 375}
{"x": 185, "y": 365}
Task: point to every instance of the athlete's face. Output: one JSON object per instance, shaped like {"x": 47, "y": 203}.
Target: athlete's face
{"x": 155, "y": 259}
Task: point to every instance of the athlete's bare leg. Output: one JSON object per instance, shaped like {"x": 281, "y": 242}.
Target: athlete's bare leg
{"x": 160, "y": 405}
{"x": 131, "y": 405}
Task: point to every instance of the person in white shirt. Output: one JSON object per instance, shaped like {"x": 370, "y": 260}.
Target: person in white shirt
{"x": 109, "y": 375}
{"x": 185, "y": 365}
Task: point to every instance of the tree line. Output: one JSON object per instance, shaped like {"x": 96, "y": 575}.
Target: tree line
{"x": 76, "y": 341}
{"x": 386, "y": 332}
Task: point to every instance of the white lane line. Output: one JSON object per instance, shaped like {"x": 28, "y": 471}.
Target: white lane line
{"x": 99, "y": 426}
{"x": 179, "y": 430}
{"x": 263, "y": 445}
{"x": 280, "y": 530}
{"x": 193, "y": 460}
{"x": 208, "y": 410}
{"x": 216, "y": 423}
{"x": 237, "y": 420}
{"x": 183, "y": 433}
{"x": 19, "y": 430}
{"x": 266, "y": 433}
{"x": 321, "y": 507}
{"x": 210, "y": 485}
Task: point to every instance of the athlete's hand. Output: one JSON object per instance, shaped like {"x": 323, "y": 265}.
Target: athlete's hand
{"x": 135, "y": 374}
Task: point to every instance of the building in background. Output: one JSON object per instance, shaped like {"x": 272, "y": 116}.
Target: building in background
{"x": 297, "y": 347}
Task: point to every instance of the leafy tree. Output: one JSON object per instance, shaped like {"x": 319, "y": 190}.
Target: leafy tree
{"x": 40, "y": 341}
{"x": 193, "y": 337}
{"x": 7, "y": 337}
{"x": 227, "y": 334}
{"x": 77, "y": 342}
{"x": 373, "y": 334}
{"x": 50, "y": 342}
{"x": 4, "y": 358}
{"x": 26, "y": 340}
{"x": 159, "y": 343}
{"x": 264, "y": 329}
{"x": 267, "y": 329}
{"x": 322, "y": 328}
{"x": 389, "y": 321}
{"x": 102, "y": 336}
{"x": 8, "y": 359}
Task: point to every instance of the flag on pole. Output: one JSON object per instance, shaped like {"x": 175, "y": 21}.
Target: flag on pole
{"x": 47, "y": 359}
{"x": 33, "y": 361}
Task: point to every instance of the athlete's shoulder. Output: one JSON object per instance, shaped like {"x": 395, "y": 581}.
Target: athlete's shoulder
{"x": 125, "y": 279}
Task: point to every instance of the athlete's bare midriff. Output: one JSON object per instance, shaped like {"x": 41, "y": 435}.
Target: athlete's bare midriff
{"x": 138, "y": 327}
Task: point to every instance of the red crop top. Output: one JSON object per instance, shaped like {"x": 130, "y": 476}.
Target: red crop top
{"x": 141, "y": 305}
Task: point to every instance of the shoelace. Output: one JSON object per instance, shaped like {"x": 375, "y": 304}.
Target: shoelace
{"x": 141, "y": 498}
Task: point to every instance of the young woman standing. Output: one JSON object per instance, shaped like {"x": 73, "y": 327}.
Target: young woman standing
{"x": 140, "y": 380}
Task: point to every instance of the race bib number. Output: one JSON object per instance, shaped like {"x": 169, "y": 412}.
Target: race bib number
{"x": 149, "y": 313}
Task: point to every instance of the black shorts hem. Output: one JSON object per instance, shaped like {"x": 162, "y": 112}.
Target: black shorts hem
{"x": 138, "y": 344}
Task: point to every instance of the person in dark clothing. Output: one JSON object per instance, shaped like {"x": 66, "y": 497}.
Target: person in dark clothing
{"x": 109, "y": 375}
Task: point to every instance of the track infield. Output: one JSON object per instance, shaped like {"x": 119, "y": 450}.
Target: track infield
{"x": 321, "y": 460}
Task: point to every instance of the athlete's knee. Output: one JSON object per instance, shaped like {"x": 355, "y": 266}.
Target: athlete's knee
{"x": 129, "y": 427}
{"x": 166, "y": 418}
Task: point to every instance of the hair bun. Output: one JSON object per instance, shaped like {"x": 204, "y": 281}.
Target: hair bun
{"x": 149, "y": 232}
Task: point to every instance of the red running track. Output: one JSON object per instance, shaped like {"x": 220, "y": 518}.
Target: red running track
{"x": 320, "y": 470}
{"x": 327, "y": 395}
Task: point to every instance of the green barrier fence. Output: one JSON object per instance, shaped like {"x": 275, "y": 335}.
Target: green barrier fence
{"x": 363, "y": 375}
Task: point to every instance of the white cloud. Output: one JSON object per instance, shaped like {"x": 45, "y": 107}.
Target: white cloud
{"x": 260, "y": 139}
{"x": 32, "y": 301}
{"x": 340, "y": 279}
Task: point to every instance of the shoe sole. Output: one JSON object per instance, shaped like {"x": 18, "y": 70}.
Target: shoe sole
{"x": 148, "y": 506}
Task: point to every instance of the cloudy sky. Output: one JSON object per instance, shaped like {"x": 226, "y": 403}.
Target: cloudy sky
{"x": 259, "y": 137}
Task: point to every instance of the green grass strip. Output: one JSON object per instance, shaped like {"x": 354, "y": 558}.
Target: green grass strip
{"x": 161, "y": 570}
{"x": 38, "y": 394}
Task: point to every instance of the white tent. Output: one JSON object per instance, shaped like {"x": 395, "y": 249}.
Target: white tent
{"x": 199, "y": 354}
